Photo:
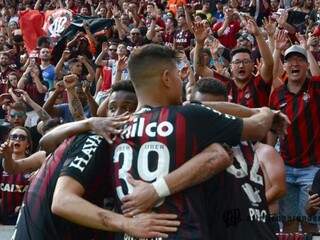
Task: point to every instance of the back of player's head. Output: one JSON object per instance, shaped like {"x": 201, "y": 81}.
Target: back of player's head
{"x": 147, "y": 63}
{"x": 211, "y": 86}
{"x": 123, "y": 85}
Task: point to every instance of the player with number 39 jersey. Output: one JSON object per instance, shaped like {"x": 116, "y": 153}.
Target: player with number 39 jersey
{"x": 158, "y": 141}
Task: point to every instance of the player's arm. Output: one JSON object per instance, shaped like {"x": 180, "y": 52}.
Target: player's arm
{"x": 198, "y": 169}
{"x": 101, "y": 125}
{"x": 273, "y": 166}
{"x": 256, "y": 121}
{"x": 234, "y": 109}
{"x": 23, "y": 165}
{"x": 68, "y": 203}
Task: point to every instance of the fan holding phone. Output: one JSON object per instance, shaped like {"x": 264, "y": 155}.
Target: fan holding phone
{"x": 313, "y": 203}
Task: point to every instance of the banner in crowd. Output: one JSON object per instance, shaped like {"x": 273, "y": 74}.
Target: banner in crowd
{"x": 60, "y": 25}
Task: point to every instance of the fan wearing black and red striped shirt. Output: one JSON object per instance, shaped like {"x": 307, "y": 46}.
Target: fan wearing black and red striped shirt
{"x": 243, "y": 87}
{"x": 299, "y": 99}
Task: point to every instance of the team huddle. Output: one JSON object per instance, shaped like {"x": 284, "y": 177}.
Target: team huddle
{"x": 167, "y": 170}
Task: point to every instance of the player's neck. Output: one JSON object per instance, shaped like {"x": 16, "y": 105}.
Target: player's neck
{"x": 153, "y": 102}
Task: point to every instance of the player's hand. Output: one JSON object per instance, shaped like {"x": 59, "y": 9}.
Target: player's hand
{"x": 108, "y": 127}
{"x": 6, "y": 150}
{"x": 151, "y": 225}
{"x": 280, "y": 123}
{"x": 142, "y": 199}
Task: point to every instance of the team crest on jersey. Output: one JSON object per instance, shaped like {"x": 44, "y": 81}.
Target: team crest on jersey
{"x": 306, "y": 97}
{"x": 247, "y": 95}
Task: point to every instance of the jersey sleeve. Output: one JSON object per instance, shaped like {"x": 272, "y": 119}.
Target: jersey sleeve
{"x": 210, "y": 126}
{"x": 84, "y": 159}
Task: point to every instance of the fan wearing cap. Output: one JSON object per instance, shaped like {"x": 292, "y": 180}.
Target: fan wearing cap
{"x": 298, "y": 98}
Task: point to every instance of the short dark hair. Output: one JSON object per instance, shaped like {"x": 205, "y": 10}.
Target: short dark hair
{"x": 211, "y": 86}
{"x": 240, "y": 50}
{"x": 123, "y": 85}
{"x": 43, "y": 40}
{"x": 146, "y": 62}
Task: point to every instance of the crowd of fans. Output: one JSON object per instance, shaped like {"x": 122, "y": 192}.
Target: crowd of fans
{"x": 256, "y": 53}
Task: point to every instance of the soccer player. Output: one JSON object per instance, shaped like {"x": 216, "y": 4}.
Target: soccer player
{"x": 162, "y": 135}
{"x": 241, "y": 197}
{"x": 72, "y": 184}
{"x": 230, "y": 217}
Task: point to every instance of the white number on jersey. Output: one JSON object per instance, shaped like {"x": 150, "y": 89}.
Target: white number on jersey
{"x": 162, "y": 169}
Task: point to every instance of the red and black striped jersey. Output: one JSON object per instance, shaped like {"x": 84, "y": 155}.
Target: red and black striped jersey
{"x": 254, "y": 94}
{"x": 81, "y": 158}
{"x": 12, "y": 189}
{"x": 160, "y": 140}
{"x": 237, "y": 201}
{"x": 301, "y": 146}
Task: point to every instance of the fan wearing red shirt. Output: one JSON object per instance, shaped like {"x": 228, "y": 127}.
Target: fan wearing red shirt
{"x": 227, "y": 30}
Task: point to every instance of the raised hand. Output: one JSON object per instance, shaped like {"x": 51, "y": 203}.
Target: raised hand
{"x": 269, "y": 26}
{"x": 199, "y": 31}
{"x": 281, "y": 40}
{"x": 70, "y": 81}
{"x": 122, "y": 63}
{"x": 252, "y": 27}
{"x": 302, "y": 40}
{"x": 283, "y": 18}
{"x": 35, "y": 72}
{"x": 104, "y": 47}
{"x": 24, "y": 95}
{"x": 6, "y": 150}
{"x": 66, "y": 54}
{"x": 60, "y": 87}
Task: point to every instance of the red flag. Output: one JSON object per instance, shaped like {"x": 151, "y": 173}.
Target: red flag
{"x": 31, "y": 22}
